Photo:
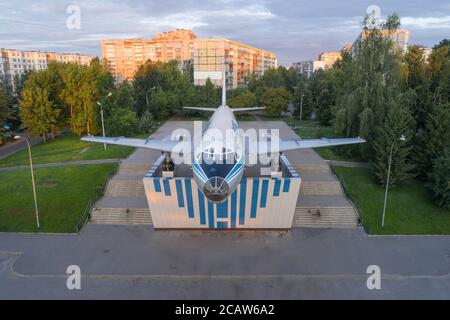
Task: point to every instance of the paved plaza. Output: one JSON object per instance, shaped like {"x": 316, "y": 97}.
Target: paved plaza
{"x": 124, "y": 262}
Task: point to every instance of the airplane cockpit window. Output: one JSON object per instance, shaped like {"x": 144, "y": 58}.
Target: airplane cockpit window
{"x": 217, "y": 163}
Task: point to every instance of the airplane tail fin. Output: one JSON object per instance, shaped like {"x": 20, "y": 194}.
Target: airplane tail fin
{"x": 224, "y": 89}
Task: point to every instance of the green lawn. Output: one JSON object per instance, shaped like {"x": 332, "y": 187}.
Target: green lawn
{"x": 409, "y": 210}
{"x": 67, "y": 148}
{"x": 63, "y": 194}
{"x": 309, "y": 129}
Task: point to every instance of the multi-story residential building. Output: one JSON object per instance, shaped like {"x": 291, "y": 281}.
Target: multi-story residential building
{"x": 210, "y": 56}
{"x": 16, "y": 62}
{"x": 307, "y": 68}
{"x": 400, "y": 38}
{"x": 329, "y": 58}
{"x": 124, "y": 57}
{"x": 240, "y": 61}
{"x": 326, "y": 61}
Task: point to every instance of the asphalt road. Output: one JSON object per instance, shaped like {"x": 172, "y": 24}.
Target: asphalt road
{"x": 122, "y": 262}
{"x": 17, "y": 145}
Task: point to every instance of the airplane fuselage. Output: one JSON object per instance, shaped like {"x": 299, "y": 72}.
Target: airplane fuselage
{"x": 219, "y": 161}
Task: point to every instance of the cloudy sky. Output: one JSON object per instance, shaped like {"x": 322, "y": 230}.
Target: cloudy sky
{"x": 294, "y": 30}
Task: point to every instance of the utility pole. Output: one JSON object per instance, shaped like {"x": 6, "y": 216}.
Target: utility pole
{"x": 32, "y": 180}
{"x": 301, "y": 104}
{"x": 402, "y": 138}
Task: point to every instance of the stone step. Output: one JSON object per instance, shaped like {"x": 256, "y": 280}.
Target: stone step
{"x": 121, "y": 216}
{"x": 125, "y": 188}
{"x": 325, "y": 217}
{"x": 321, "y": 188}
{"x": 312, "y": 168}
{"x": 134, "y": 167}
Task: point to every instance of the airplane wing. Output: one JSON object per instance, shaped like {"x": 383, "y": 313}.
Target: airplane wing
{"x": 201, "y": 109}
{"x": 287, "y": 145}
{"x": 155, "y": 144}
{"x": 247, "y": 109}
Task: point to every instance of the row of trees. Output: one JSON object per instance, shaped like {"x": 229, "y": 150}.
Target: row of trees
{"x": 381, "y": 94}
{"x": 394, "y": 100}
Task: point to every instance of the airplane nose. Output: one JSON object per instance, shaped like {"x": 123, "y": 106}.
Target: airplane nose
{"x": 216, "y": 189}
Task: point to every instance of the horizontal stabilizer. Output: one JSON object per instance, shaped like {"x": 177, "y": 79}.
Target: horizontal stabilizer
{"x": 247, "y": 109}
{"x": 201, "y": 109}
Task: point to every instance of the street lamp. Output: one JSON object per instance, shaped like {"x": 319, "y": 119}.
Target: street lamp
{"x": 402, "y": 138}
{"x": 103, "y": 121}
{"x": 301, "y": 104}
{"x": 32, "y": 179}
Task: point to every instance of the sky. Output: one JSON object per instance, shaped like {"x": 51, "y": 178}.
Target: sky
{"x": 294, "y": 30}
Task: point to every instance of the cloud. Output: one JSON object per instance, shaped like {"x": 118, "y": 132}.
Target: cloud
{"x": 293, "y": 29}
{"x": 426, "y": 22}
{"x": 199, "y": 18}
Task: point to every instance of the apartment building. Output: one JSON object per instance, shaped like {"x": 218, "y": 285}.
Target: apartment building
{"x": 16, "y": 62}
{"x": 326, "y": 61}
{"x": 329, "y": 58}
{"x": 210, "y": 56}
{"x": 240, "y": 61}
{"x": 124, "y": 57}
{"x": 400, "y": 38}
{"x": 307, "y": 68}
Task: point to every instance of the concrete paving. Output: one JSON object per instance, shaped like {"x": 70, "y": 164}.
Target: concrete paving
{"x": 122, "y": 262}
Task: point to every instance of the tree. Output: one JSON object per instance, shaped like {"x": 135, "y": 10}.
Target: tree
{"x": 273, "y": 78}
{"x": 5, "y": 112}
{"x": 207, "y": 96}
{"x": 242, "y": 98}
{"x": 146, "y": 122}
{"x": 439, "y": 73}
{"x": 439, "y": 179}
{"x": 368, "y": 84}
{"x": 416, "y": 80}
{"x": 37, "y": 112}
{"x": 435, "y": 138}
{"x": 275, "y": 100}
{"x": 399, "y": 122}
{"x": 121, "y": 122}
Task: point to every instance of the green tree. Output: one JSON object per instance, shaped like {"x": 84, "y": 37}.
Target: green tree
{"x": 439, "y": 73}
{"x": 368, "y": 84}
{"x": 439, "y": 179}
{"x": 398, "y": 123}
{"x": 5, "y": 112}
{"x": 121, "y": 122}
{"x": 242, "y": 98}
{"x": 207, "y": 96}
{"x": 276, "y": 100}
{"x": 37, "y": 112}
{"x": 435, "y": 138}
{"x": 416, "y": 80}
{"x": 146, "y": 122}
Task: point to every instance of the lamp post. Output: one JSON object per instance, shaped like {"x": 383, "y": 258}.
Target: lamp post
{"x": 402, "y": 138}
{"x": 103, "y": 121}
{"x": 301, "y": 104}
{"x": 32, "y": 179}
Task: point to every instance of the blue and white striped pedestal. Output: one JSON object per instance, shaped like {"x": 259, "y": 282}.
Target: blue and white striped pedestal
{"x": 257, "y": 203}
